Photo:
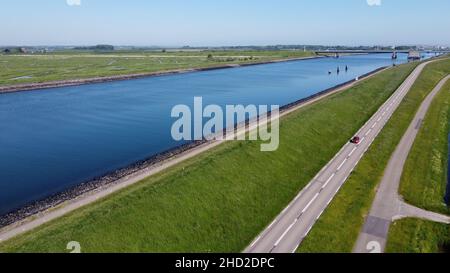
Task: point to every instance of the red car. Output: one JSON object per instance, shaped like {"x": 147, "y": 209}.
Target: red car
{"x": 356, "y": 140}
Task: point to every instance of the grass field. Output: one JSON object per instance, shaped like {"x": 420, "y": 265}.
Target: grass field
{"x": 424, "y": 179}
{"x": 423, "y": 182}
{"x": 15, "y": 69}
{"x": 219, "y": 201}
{"x": 418, "y": 236}
{"x": 338, "y": 228}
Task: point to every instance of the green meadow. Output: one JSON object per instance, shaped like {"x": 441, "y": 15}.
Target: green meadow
{"x": 424, "y": 181}
{"x": 418, "y": 236}
{"x": 70, "y": 65}
{"x": 220, "y": 200}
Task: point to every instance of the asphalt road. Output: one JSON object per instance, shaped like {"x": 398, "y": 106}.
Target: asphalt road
{"x": 388, "y": 205}
{"x": 288, "y": 230}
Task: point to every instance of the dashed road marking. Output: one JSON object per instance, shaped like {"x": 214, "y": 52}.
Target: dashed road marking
{"x": 310, "y": 203}
{"x": 342, "y": 164}
{"x": 328, "y": 181}
{"x": 285, "y": 232}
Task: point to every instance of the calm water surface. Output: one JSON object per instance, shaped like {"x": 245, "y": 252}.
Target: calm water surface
{"x": 53, "y": 139}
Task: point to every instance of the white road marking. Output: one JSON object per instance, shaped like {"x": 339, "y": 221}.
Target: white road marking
{"x": 295, "y": 249}
{"x": 309, "y": 229}
{"x": 273, "y": 222}
{"x": 328, "y": 181}
{"x": 285, "y": 209}
{"x": 335, "y": 156}
{"x": 360, "y": 157}
{"x": 329, "y": 201}
{"x": 257, "y": 239}
{"x": 320, "y": 214}
{"x": 316, "y": 177}
{"x": 337, "y": 190}
{"x": 354, "y": 149}
{"x": 310, "y": 203}
{"x": 285, "y": 232}
{"x": 342, "y": 164}
{"x": 307, "y": 186}
{"x": 346, "y": 178}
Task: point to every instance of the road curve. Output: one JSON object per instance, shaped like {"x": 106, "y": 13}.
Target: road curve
{"x": 288, "y": 230}
{"x": 388, "y": 205}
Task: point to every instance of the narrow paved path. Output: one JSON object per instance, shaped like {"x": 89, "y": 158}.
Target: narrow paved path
{"x": 407, "y": 210}
{"x": 289, "y": 229}
{"x": 388, "y": 205}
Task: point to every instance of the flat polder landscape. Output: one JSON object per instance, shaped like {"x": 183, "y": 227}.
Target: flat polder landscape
{"x": 215, "y": 136}
{"x": 100, "y": 128}
{"x": 159, "y": 193}
{"x": 71, "y": 65}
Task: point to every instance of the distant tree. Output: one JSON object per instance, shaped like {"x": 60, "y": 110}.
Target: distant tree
{"x": 164, "y": 51}
{"x": 104, "y": 47}
{"x": 210, "y": 56}
{"x": 97, "y": 47}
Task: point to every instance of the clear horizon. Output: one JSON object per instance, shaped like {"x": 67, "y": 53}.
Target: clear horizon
{"x": 217, "y": 46}
{"x": 198, "y": 23}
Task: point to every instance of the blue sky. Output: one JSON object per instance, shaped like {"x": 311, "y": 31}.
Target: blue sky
{"x": 224, "y": 22}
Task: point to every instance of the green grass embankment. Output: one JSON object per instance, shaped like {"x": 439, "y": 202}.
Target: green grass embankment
{"x": 424, "y": 178}
{"x": 221, "y": 200}
{"x": 338, "y": 228}
{"x": 418, "y": 236}
{"x": 423, "y": 184}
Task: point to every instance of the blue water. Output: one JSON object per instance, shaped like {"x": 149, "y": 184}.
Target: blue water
{"x": 51, "y": 140}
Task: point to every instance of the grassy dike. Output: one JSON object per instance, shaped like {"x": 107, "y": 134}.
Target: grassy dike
{"x": 221, "y": 200}
{"x": 424, "y": 178}
{"x": 423, "y": 183}
{"x": 338, "y": 228}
